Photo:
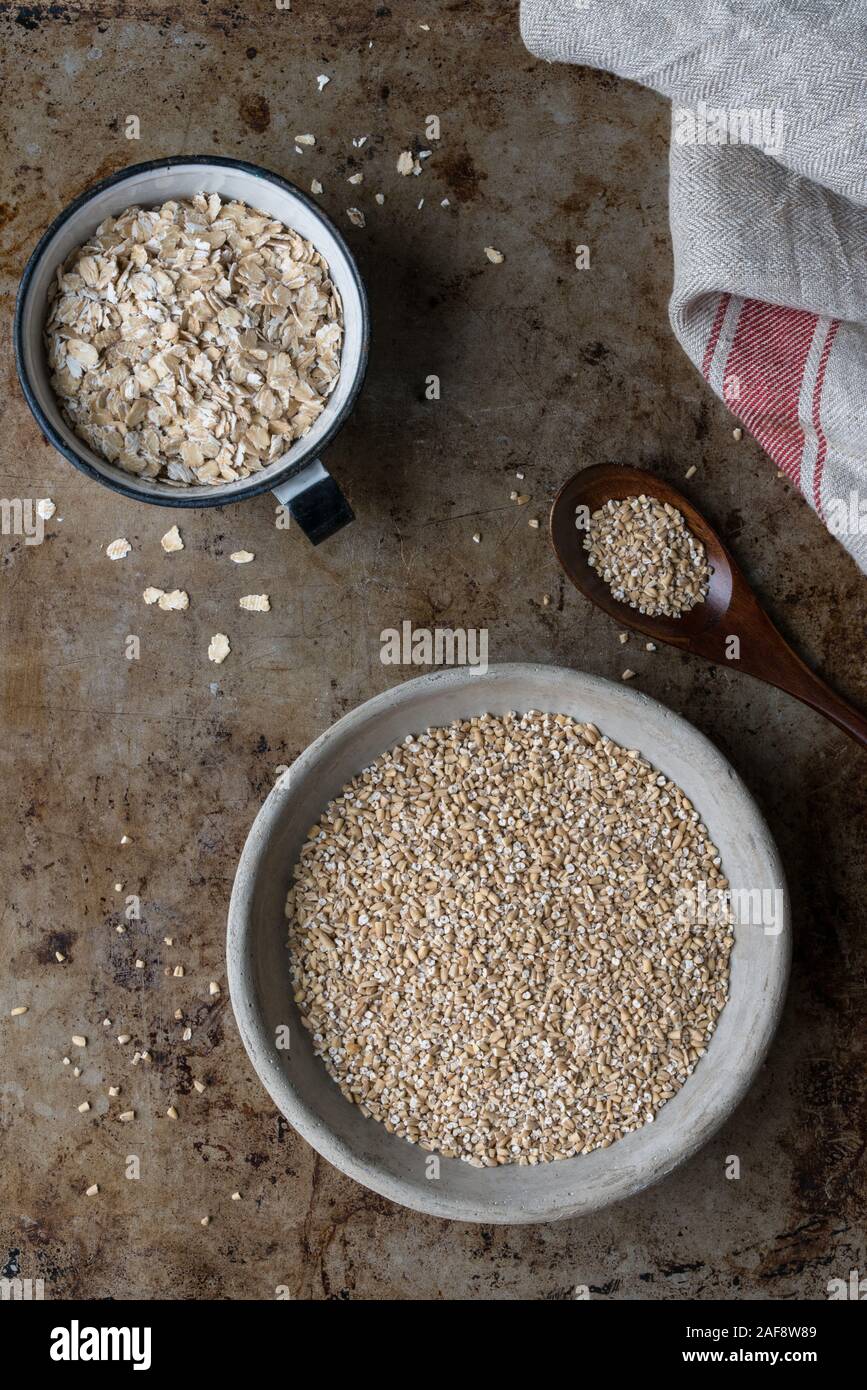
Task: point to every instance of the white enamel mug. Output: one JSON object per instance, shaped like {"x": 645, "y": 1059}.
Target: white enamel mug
{"x": 297, "y": 479}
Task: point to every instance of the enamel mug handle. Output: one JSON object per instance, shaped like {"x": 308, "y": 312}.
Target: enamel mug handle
{"x": 315, "y": 502}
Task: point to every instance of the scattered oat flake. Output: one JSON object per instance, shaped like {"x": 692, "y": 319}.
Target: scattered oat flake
{"x": 690, "y": 471}
{"x": 177, "y": 599}
{"x": 84, "y": 1107}
{"x": 172, "y": 1113}
{"x": 322, "y": 81}
{"x": 199, "y": 1086}
{"x": 21, "y": 1009}
{"x": 242, "y": 557}
{"x": 255, "y": 603}
{"x": 93, "y": 1190}
{"x": 125, "y": 839}
{"x": 152, "y": 595}
{"x": 218, "y": 648}
{"x": 213, "y": 987}
{"x": 114, "y": 1091}
{"x": 78, "y": 1040}
{"x": 236, "y": 1196}
{"x": 360, "y": 140}
{"x": 59, "y": 957}
{"x": 379, "y": 198}
{"x": 650, "y": 646}
{"x": 305, "y": 139}
{"x": 118, "y": 549}
{"x": 624, "y": 636}
{"x": 316, "y": 187}
{"x": 494, "y": 256}
{"x": 45, "y": 508}
{"x": 126, "y": 1115}
{"x": 355, "y": 178}
{"x": 205, "y": 1221}
{"x": 405, "y": 163}
{"x": 356, "y": 217}
{"x": 737, "y": 433}
{"x": 534, "y": 523}
{"x": 627, "y": 675}
{"x": 172, "y": 541}
{"x": 477, "y": 537}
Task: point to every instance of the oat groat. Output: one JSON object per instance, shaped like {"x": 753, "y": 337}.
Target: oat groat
{"x": 648, "y": 556}
{"x": 489, "y": 942}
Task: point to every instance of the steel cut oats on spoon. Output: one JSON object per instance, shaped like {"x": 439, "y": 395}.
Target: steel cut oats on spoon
{"x": 648, "y": 556}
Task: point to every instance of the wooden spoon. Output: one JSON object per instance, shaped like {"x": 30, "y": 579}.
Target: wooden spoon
{"x": 730, "y": 609}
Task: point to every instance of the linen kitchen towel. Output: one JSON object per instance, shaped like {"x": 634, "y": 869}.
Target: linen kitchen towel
{"x": 768, "y": 204}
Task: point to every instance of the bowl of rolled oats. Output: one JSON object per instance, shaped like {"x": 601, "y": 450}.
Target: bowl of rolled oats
{"x": 194, "y": 331}
{"x": 508, "y": 947}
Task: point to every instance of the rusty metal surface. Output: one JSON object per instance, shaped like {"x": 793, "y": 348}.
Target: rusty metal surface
{"x": 543, "y": 368}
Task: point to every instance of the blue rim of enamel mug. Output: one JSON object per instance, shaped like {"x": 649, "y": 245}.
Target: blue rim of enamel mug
{"x": 182, "y": 499}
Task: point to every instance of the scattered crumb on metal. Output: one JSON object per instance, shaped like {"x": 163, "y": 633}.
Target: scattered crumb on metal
{"x": 171, "y": 541}
{"x": 218, "y": 648}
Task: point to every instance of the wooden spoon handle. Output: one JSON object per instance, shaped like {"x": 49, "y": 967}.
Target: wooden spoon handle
{"x": 773, "y": 660}
{"x": 813, "y": 691}
{"x": 763, "y": 651}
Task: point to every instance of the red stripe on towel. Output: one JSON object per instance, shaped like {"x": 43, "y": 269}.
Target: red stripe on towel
{"x": 767, "y": 361}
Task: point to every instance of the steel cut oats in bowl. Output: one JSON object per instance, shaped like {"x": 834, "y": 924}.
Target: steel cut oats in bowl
{"x": 501, "y": 943}
{"x": 193, "y": 342}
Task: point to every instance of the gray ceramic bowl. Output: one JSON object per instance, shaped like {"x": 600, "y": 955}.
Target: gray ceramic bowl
{"x": 258, "y": 961}
{"x": 297, "y": 479}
